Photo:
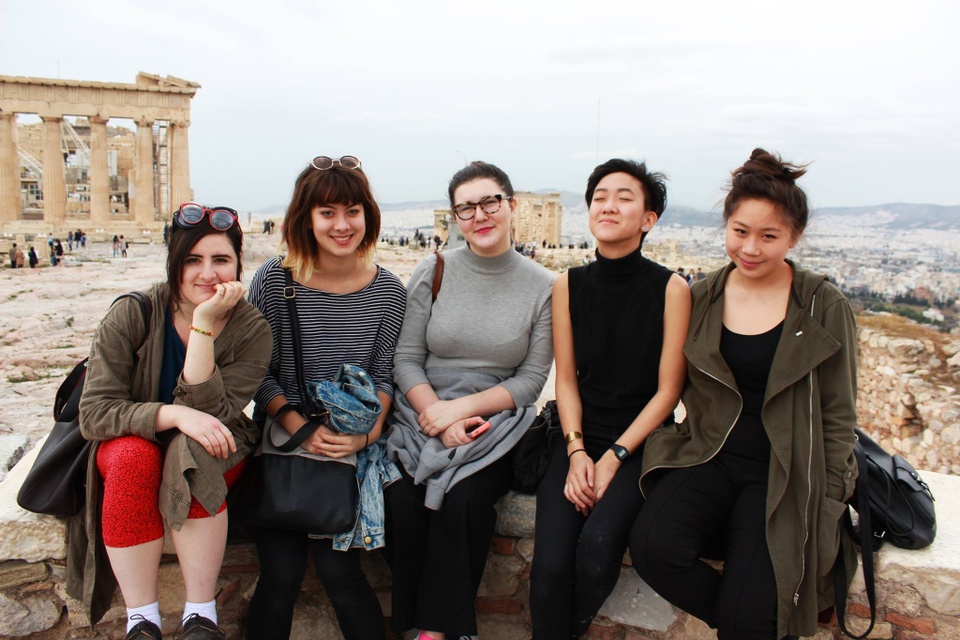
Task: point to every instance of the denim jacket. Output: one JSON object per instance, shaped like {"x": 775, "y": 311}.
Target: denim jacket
{"x": 354, "y": 408}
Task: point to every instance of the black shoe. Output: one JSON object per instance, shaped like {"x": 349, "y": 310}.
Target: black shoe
{"x": 196, "y": 627}
{"x": 143, "y": 630}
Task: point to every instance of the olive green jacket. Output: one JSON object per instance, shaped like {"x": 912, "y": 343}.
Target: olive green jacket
{"x": 809, "y": 412}
{"x": 121, "y": 397}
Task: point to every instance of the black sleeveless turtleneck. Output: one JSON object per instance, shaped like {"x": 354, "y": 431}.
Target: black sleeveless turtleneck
{"x": 616, "y": 309}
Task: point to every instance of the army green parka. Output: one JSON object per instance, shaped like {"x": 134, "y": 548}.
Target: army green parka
{"x": 809, "y": 413}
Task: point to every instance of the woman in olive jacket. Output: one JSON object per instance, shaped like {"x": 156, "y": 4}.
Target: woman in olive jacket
{"x": 163, "y": 404}
{"x": 767, "y": 443}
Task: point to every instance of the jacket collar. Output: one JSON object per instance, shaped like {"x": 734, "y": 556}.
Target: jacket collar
{"x": 803, "y": 346}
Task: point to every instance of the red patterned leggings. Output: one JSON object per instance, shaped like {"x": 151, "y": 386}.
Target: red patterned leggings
{"x": 131, "y": 468}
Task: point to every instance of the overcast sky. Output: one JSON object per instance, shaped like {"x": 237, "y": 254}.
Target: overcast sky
{"x": 869, "y": 92}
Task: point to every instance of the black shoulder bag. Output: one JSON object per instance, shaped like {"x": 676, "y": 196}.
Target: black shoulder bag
{"x": 57, "y": 483}
{"x": 893, "y": 503}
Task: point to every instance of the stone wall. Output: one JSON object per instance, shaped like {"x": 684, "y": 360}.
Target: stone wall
{"x": 908, "y": 398}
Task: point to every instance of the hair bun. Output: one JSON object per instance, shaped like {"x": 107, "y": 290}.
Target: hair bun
{"x": 764, "y": 164}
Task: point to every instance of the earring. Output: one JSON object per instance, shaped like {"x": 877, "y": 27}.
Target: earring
{"x": 645, "y": 228}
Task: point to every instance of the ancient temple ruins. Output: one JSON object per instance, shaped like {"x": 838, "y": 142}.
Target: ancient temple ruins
{"x": 59, "y": 174}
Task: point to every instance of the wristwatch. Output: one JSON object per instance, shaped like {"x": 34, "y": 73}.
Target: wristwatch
{"x": 621, "y": 452}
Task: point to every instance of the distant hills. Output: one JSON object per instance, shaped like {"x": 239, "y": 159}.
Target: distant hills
{"x": 893, "y": 216}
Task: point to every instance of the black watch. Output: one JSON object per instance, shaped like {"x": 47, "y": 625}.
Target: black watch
{"x": 620, "y": 451}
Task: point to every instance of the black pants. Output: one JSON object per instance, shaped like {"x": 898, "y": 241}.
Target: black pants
{"x": 438, "y": 557}
{"x": 283, "y": 563}
{"x": 577, "y": 559}
{"x": 685, "y": 515}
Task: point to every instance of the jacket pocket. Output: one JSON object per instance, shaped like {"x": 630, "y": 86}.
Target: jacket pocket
{"x": 828, "y": 536}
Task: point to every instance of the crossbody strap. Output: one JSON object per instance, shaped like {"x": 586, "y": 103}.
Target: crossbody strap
{"x": 866, "y": 550}
{"x": 315, "y": 409}
{"x": 437, "y": 276}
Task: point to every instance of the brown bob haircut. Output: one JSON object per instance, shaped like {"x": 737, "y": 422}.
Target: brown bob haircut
{"x": 181, "y": 243}
{"x": 313, "y": 188}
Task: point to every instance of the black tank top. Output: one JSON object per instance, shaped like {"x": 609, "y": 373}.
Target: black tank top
{"x": 616, "y": 309}
{"x": 750, "y": 359}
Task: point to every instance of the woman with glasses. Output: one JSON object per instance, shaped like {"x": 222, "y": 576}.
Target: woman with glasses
{"x": 618, "y": 330}
{"x": 163, "y": 404}
{"x": 470, "y": 365}
{"x": 350, "y": 311}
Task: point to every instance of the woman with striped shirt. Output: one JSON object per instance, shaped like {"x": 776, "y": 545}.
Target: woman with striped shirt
{"x": 350, "y": 311}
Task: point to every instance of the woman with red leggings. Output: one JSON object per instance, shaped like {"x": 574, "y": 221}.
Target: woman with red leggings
{"x": 163, "y": 402}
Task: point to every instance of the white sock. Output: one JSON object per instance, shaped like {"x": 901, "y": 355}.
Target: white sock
{"x": 149, "y": 611}
{"x": 207, "y": 609}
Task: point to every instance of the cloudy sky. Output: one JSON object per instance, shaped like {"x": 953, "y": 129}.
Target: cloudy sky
{"x": 866, "y": 91}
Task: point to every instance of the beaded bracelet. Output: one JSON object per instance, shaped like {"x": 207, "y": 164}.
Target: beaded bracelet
{"x": 201, "y": 331}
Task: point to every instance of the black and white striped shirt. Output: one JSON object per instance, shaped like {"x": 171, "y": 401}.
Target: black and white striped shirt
{"x": 359, "y": 328}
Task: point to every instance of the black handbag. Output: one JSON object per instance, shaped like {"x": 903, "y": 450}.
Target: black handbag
{"x": 56, "y": 484}
{"x": 286, "y": 488}
{"x": 893, "y": 503}
{"x": 531, "y": 456}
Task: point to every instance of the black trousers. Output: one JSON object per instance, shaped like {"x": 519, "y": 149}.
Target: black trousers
{"x": 577, "y": 559}
{"x": 438, "y": 557}
{"x": 283, "y": 563}
{"x": 686, "y": 514}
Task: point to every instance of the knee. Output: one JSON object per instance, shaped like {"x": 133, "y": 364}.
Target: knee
{"x": 654, "y": 551}
{"x": 128, "y": 456}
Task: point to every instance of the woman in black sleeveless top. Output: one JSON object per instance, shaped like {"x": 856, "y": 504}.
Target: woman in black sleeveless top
{"x": 618, "y": 324}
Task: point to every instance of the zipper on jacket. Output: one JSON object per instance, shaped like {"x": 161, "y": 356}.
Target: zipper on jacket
{"x": 723, "y": 442}
{"x": 806, "y": 508}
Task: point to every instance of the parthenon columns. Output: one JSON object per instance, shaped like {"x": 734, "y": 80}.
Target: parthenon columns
{"x": 54, "y": 183}
{"x": 180, "y": 160}
{"x": 99, "y": 173}
{"x": 143, "y": 208}
{"x": 9, "y": 169}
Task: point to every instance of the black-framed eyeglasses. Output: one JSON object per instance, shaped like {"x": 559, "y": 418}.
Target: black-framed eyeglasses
{"x": 191, "y": 213}
{"x": 322, "y": 163}
{"x": 489, "y": 205}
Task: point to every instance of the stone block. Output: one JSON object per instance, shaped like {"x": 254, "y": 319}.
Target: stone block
{"x": 12, "y": 448}
{"x": 635, "y": 604}
{"x": 501, "y": 576}
{"x": 920, "y": 625}
{"x": 500, "y": 627}
{"x": 525, "y": 549}
{"x": 24, "y": 535}
{"x": 15, "y": 573}
{"x": 29, "y": 615}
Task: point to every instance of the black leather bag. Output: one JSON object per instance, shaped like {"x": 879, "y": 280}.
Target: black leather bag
{"x": 900, "y": 502}
{"x": 531, "y": 456}
{"x": 56, "y": 484}
{"x": 286, "y": 488}
{"x": 893, "y": 504}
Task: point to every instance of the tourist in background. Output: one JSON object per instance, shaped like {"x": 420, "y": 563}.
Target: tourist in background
{"x": 618, "y": 329}
{"x": 57, "y": 253}
{"x": 18, "y": 258}
{"x": 32, "y": 257}
{"x": 350, "y": 312}
{"x": 163, "y": 404}
{"x": 758, "y": 473}
{"x": 116, "y": 246}
{"x": 470, "y": 366}
{"x": 12, "y": 254}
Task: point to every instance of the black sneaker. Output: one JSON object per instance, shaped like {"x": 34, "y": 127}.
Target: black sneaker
{"x": 196, "y": 627}
{"x": 143, "y": 630}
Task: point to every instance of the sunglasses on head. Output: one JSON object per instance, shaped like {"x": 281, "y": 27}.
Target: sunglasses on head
{"x": 323, "y": 163}
{"x": 191, "y": 213}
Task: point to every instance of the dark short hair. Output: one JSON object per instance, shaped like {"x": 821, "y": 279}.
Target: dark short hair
{"x": 653, "y": 183}
{"x": 336, "y": 185}
{"x": 184, "y": 239}
{"x": 765, "y": 176}
{"x": 478, "y": 170}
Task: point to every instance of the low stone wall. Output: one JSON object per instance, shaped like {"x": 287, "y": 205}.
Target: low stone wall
{"x": 918, "y": 591}
{"x": 901, "y": 404}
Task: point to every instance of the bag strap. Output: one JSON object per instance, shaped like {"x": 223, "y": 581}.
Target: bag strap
{"x": 866, "y": 550}
{"x": 314, "y": 405}
{"x": 437, "y": 276}
{"x": 299, "y": 437}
